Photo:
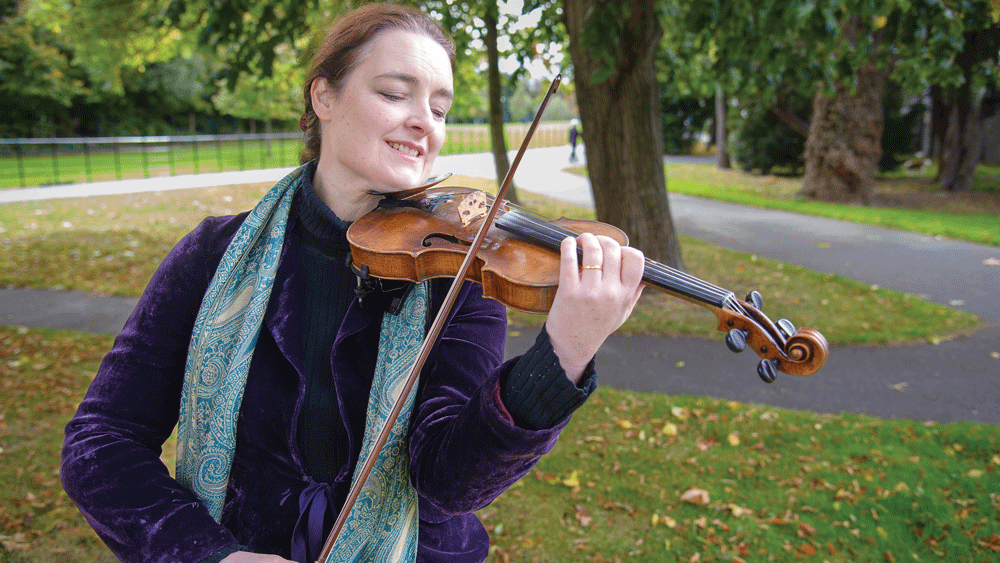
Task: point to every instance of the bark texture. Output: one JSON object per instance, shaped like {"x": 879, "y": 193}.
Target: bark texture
{"x": 963, "y": 141}
{"x": 621, "y": 127}
{"x": 844, "y": 143}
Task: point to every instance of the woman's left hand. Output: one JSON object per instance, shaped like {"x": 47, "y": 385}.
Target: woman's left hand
{"x": 592, "y": 300}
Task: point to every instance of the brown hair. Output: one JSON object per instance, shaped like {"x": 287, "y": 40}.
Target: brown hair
{"x": 338, "y": 55}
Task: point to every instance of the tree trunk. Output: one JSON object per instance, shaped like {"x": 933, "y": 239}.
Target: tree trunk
{"x": 963, "y": 141}
{"x": 622, "y": 129}
{"x": 939, "y": 126}
{"x": 497, "y": 140}
{"x": 844, "y": 143}
{"x": 721, "y": 130}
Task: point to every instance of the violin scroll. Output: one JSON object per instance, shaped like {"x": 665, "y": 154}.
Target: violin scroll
{"x": 780, "y": 345}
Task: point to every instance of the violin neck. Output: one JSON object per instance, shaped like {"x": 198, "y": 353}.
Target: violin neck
{"x": 660, "y": 276}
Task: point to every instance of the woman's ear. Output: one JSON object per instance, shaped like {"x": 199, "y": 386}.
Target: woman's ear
{"x": 321, "y": 95}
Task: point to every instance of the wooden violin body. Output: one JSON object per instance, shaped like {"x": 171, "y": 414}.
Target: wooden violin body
{"x": 419, "y": 239}
{"x": 428, "y": 236}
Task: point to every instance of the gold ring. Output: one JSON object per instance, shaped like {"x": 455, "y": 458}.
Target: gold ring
{"x": 593, "y": 268}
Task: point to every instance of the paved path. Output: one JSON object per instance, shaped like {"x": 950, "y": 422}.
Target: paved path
{"x": 956, "y": 380}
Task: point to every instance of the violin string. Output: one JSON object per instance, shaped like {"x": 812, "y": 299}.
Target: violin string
{"x": 552, "y": 235}
{"x": 555, "y": 234}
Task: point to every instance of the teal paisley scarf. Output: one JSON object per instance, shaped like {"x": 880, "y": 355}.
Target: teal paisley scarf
{"x": 383, "y": 525}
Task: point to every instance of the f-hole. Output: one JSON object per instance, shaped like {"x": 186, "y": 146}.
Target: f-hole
{"x": 431, "y": 238}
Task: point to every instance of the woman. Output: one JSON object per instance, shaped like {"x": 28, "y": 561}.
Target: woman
{"x": 257, "y": 337}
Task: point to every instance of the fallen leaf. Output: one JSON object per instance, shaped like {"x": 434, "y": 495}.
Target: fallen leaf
{"x": 738, "y": 511}
{"x": 695, "y": 496}
{"x": 734, "y": 438}
{"x": 573, "y": 480}
{"x": 807, "y": 549}
{"x": 680, "y": 413}
{"x": 669, "y": 429}
{"x": 991, "y": 262}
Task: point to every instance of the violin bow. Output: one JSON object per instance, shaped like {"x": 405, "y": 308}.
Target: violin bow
{"x": 432, "y": 334}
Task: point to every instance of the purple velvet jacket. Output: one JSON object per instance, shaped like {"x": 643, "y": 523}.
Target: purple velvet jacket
{"x": 464, "y": 447}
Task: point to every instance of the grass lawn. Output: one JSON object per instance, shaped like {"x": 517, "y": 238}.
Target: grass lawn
{"x": 635, "y": 477}
{"x": 909, "y": 203}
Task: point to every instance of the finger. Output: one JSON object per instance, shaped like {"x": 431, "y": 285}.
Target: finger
{"x": 633, "y": 269}
{"x": 633, "y": 265}
{"x": 569, "y": 275}
{"x": 593, "y": 255}
{"x": 611, "y": 253}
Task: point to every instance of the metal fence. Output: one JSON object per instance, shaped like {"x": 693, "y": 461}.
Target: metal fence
{"x": 38, "y": 162}
{"x": 41, "y": 162}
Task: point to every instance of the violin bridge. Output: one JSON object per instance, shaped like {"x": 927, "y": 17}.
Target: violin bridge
{"x": 474, "y": 205}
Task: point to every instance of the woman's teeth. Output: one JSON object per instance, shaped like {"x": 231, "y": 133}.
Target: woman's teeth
{"x": 404, "y": 149}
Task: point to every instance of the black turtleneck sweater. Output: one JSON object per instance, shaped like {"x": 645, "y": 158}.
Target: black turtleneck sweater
{"x": 535, "y": 392}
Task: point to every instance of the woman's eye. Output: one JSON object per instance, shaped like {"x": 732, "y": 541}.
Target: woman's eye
{"x": 392, "y": 97}
{"x": 439, "y": 113}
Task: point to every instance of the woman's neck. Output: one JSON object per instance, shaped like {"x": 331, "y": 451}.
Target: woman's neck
{"x": 346, "y": 201}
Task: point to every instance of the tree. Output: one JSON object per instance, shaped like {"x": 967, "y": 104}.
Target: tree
{"x": 498, "y": 141}
{"x": 613, "y": 47}
{"x": 975, "y": 99}
{"x": 38, "y": 80}
{"x": 488, "y": 21}
{"x": 843, "y": 52}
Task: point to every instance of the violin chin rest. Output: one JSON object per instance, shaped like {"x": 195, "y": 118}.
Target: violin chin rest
{"x": 406, "y": 194}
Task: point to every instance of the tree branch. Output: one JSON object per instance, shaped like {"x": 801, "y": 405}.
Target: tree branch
{"x": 797, "y": 124}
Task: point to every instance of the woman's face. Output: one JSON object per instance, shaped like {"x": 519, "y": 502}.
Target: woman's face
{"x": 383, "y": 129}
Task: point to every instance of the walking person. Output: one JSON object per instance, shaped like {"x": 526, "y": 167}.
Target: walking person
{"x": 574, "y": 135}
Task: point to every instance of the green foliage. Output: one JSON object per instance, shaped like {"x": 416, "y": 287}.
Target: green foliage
{"x": 39, "y": 82}
{"x": 683, "y": 119}
{"x": 248, "y": 34}
{"x": 111, "y": 39}
{"x": 761, "y": 142}
{"x": 757, "y": 48}
{"x": 900, "y": 138}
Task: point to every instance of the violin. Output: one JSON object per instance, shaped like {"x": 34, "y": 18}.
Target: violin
{"x": 428, "y": 235}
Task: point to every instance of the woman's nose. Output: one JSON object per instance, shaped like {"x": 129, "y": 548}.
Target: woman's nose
{"x": 421, "y": 119}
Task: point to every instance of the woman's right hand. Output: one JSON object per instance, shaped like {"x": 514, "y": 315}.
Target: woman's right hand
{"x": 247, "y": 557}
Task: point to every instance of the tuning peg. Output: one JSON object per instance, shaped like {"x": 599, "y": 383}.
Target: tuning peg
{"x": 755, "y": 299}
{"x": 736, "y": 339}
{"x": 767, "y": 370}
{"x": 786, "y": 327}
